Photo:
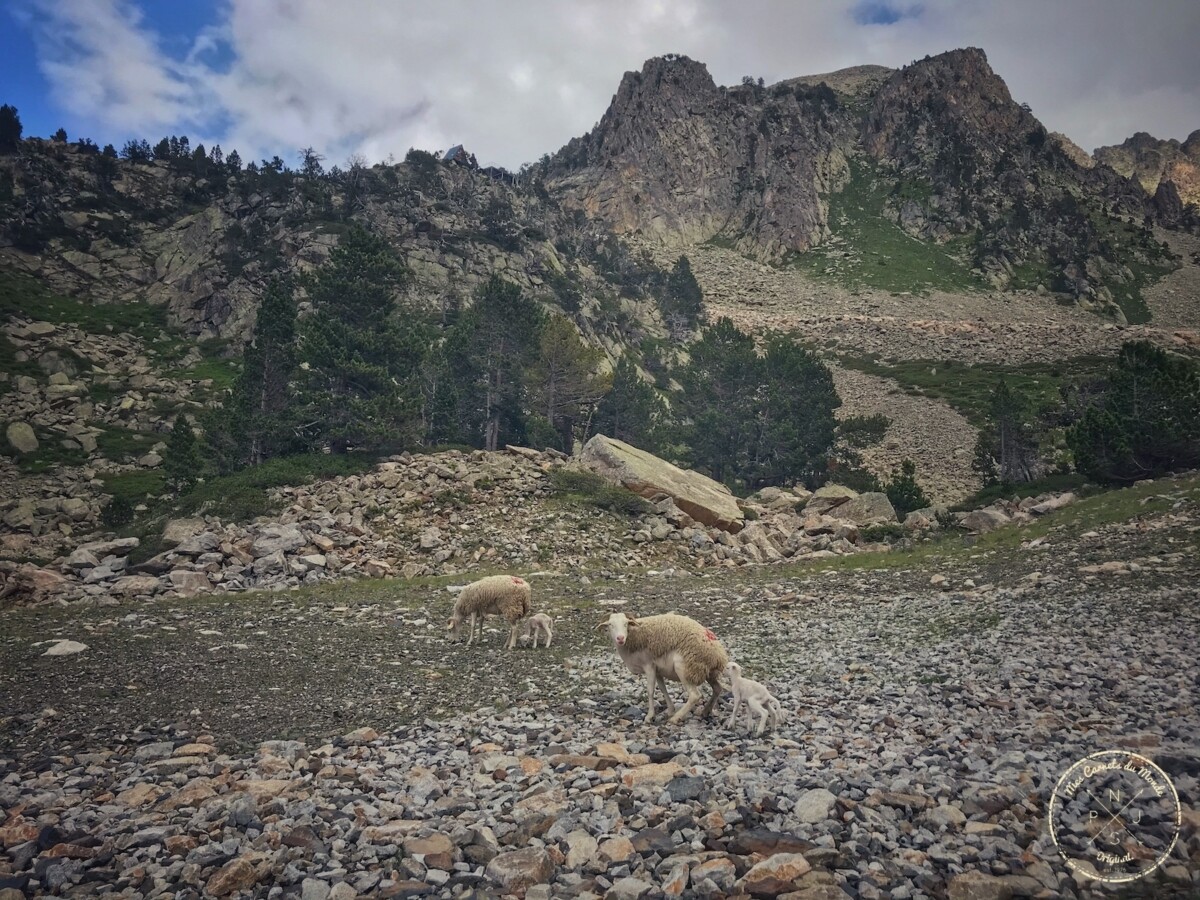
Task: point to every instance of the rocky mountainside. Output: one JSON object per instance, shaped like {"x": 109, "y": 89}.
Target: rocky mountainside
{"x": 1169, "y": 171}
{"x": 959, "y": 162}
{"x": 200, "y": 239}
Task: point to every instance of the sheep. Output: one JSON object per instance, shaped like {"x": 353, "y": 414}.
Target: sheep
{"x": 501, "y": 595}
{"x": 757, "y": 698}
{"x": 536, "y": 626}
{"x": 669, "y": 646}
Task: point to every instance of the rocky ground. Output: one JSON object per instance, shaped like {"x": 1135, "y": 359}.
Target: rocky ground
{"x": 331, "y": 742}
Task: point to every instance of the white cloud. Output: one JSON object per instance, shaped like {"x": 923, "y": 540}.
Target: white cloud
{"x": 514, "y": 81}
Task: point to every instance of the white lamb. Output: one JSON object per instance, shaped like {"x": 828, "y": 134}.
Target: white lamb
{"x": 757, "y": 698}
{"x": 536, "y": 626}
{"x": 671, "y": 647}
{"x": 501, "y": 595}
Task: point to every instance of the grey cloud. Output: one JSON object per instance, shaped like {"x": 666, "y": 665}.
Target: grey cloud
{"x": 513, "y": 81}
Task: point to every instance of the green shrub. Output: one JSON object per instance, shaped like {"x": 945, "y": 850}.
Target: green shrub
{"x": 117, "y": 513}
{"x": 596, "y": 491}
{"x": 863, "y": 431}
{"x": 884, "y": 532}
{"x": 904, "y": 492}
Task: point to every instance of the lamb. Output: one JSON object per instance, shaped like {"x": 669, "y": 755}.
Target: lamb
{"x": 669, "y": 646}
{"x": 757, "y": 698}
{"x": 537, "y": 626}
{"x": 501, "y": 595}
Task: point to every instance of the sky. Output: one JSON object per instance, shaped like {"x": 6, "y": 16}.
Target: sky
{"x": 517, "y": 79}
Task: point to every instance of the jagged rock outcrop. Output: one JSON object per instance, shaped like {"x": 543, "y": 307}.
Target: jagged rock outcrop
{"x": 681, "y": 158}
{"x": 678, "y": 158}
{"x": 1168, "y": 170}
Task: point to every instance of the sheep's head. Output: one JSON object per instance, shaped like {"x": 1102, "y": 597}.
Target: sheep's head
{"x": 453, "y": 625}
{"x": 733, "y": 670}
{"x": 618, "y": 625}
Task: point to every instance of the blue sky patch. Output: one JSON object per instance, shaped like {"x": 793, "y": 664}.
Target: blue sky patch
{"x": 880, "y": 12}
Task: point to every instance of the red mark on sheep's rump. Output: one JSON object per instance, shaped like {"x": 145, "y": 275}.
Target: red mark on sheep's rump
{"x": 709, "y": 635}
{"x": 517, "y": 580}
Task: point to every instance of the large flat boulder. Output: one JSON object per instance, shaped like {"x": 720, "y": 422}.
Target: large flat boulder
{"x": 871, "y": 508}
{"x": 708, "y": 502}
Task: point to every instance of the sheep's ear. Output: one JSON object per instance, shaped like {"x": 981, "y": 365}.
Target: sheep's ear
{"x": 631, "y": 621}
{"x": 601, "y": 625}
{"x": 450, "y": 625}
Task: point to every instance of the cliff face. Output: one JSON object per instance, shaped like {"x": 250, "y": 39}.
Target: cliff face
{"x": 678, "y": 157}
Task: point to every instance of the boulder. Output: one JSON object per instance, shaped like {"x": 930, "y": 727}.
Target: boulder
{"x": 20, "y": 435}
{"x": 984, "y": 520}
{"x": 705, "y": 500}
{"x": 775, "y": 875}
{"x": 519, "y": 869}
{"x": 66, "y": 648}
{"x": 827, "y": 497}
{"x": 1046, "y": 506}
{"x": 866, "y": 509}
{"x": 278, "y": 537}
{"x": 179, "y": 530}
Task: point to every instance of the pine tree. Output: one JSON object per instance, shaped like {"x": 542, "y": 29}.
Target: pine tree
{"x": 682, "y": 302}
{"x": 1146, "y": 422}
{"x": 361, "y": 362}
{"x": 563, "y": 382}
{"x": 793, "y": 415}
{"x": 10, "y": 129}
{"x": 181, "y": 463}
{"x": 714, "y": 406}
{"x": 1006, "y": 451}
{"x": 632, "y": 411}
{"x": 490, "y": 348}
{"x": 257, "y": 423}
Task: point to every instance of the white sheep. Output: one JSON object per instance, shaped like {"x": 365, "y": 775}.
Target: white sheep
{"x": 537, "y": 626}
{"x": 757, "y": 698}
{"x": 669, "y": 646}
{"x": 501, "y": 595}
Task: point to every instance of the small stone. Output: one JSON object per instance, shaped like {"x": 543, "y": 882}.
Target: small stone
{"x": 776, "y": 874}
{"x": 519, "y": 869}
{"x": 66, "y": 648}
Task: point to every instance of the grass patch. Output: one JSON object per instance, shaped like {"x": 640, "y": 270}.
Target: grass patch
{"x": 23, "y": 296}
{"x": 1070, "y": 481}
{"x": 134, "y": 486}
{"x": 221, "y": 372}
{"x": 121, "y": 444}
{"x": 243, "y": 495}
{"x": 49, "y": 455}
{"x": 870, "y": 250}
{"x": 967, "y": 387}
{"x": 589, "y": 488}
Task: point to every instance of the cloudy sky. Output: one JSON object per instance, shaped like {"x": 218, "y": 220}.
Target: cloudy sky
{"x": 516, "y": 79}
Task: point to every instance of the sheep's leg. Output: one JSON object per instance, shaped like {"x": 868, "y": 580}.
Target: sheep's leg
{"x": 715, "y": 683}
{"x": 757, "y": 709}
{"x": 737, "y": 704}
{"x": 668, "y": 703}
{"x": 549, "y": 637}
{"x": 651, "y": 677}
{"x": 693, "y": 698}
{"x": 512, "y": 636}
{"x": 471, "y": 630}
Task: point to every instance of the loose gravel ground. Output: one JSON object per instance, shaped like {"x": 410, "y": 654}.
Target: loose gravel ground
{"x": 334, "y": 743}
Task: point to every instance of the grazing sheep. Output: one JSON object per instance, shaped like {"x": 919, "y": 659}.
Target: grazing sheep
{"x": 669, "y": 646}
{"x": 537, "y": 626}
{"x": 757, "y": 698}
{"x": 501, "y": 595}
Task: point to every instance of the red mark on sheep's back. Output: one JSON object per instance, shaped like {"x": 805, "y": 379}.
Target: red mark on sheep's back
{"x": 517, "y": 580}
{"x": 709, "y": 635}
